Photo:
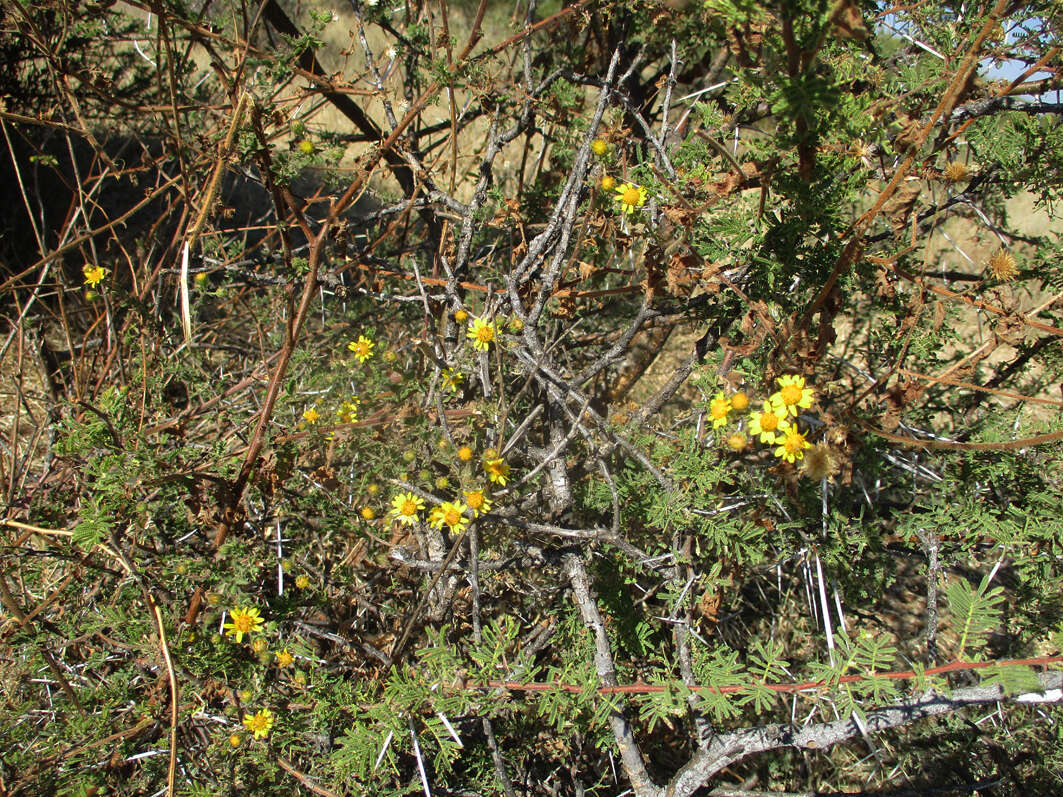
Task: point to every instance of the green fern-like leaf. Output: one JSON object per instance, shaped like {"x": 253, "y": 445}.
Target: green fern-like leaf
{"x": 976, "y": 612}
{"x": 1013, "y": 680}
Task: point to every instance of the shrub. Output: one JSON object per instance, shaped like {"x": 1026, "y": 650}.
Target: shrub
{"x": 612, "y": 396}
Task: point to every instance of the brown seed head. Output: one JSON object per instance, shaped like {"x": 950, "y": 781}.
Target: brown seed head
{"x": 957, "y": 172}
{"x": 820, "y": 462}
{"x": 1002, "y": 265}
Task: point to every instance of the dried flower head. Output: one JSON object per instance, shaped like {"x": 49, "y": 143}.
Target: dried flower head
{"x": 821, "y": 462}
{"x": 957, "y": 172}
{"x": 1002, "y": 265}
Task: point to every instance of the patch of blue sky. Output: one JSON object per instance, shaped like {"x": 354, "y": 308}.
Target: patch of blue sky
{"x": 989, "y": 68}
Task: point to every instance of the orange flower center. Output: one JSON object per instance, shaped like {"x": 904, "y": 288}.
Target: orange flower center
{"x": 768, "y": 422}
{"x": 243, "y": 623}
{"x": 409, "y": 507}
{"x": 631, "y": 196}
{"x": 794, "y": 443}
{"x": 718, "y": 409}
{"x": 474, "y": 500}
{"x": 791, "y": 394}
{"x": 485, "y": 334}
{"x": 452, "y": 517}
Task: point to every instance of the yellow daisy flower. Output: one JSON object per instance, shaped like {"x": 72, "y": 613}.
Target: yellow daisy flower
{"x": 718, "y": 409}
{"x": 244, "y": 621}
{"x": 481, "y": 333}
{"x": 461, "y": 316}
{"x": 608, "y": 183}
{"x": 451, "y": 514}
{"x": 599, "y": 147}
{"x": 311, "y": 416}
{"x": 404, "y": 508}
{"x": 739, "y": 401}
{"x": 767, "y": 424}
{"x": 362, "y": 348}
{"x": 93, "y": 274}
{"x": 259, "y": 724}
{"x": 348, "y": 411}
{"x": 284, "y": 658}
{"x": 452, "y": 380}
{"x": 792, "y": 446}
{"x": 477, "y": 502}
{"x": 792, "y": 394}
{"x": 464, "y": 453}
{"x": 630, "y": 196}
{"x": 302, "y": 582}
{"x": 497, "y": 471}
{"x": 306, "y": 147}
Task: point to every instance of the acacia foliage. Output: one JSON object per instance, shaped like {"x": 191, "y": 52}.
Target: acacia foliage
{"x": 217, "y": 204}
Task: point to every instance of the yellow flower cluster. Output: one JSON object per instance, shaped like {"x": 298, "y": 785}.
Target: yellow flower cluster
{"x": 774, "y": 424}
{"x": 406, "y": 507}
